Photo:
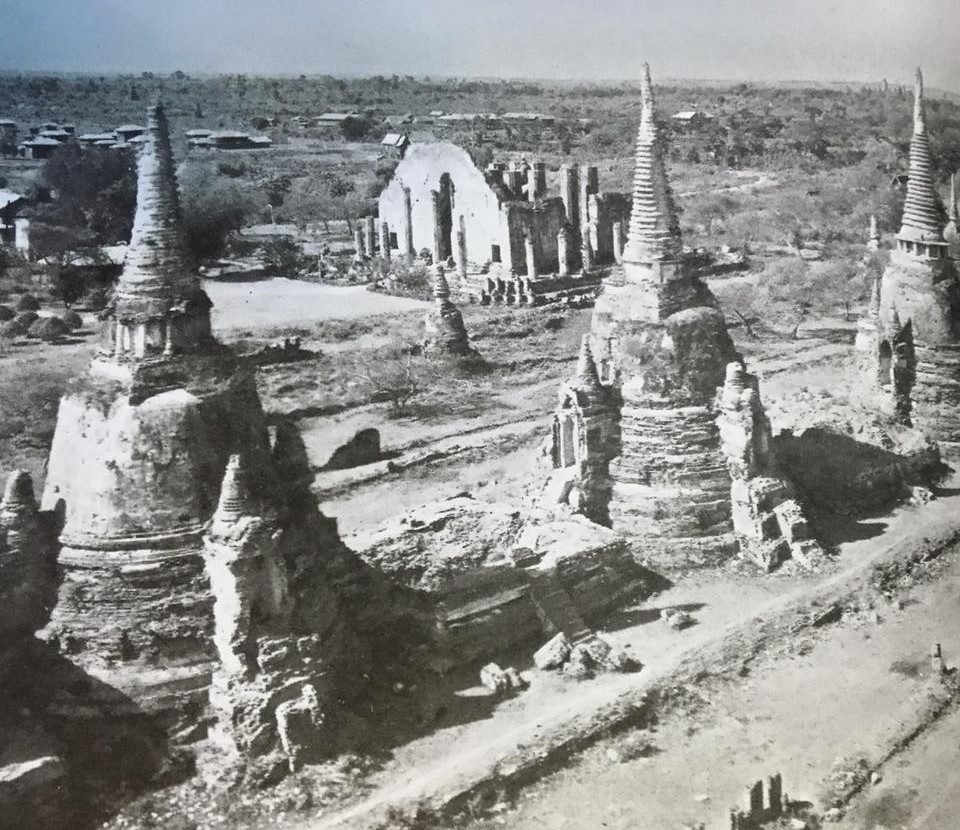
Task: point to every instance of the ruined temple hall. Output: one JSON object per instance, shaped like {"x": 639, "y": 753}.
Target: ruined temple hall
{"x": 909, "y": 340}
{"x": 661, "y": 434}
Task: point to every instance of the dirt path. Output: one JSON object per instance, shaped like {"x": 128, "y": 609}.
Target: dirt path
{"x": 553, "y": 715}
{"x": 920, "y": 790}
{"x": 848, "y": 692}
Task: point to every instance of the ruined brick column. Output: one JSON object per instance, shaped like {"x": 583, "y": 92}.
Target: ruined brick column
{"x": 539, "y": 173}
{"x": 586, "y": 251}
{"x": 358, "y": 243}
{"x": 570, "y": 193}
{"x": 408, "y": 249}
{"x": 530, "y": 254}
{"x": 593, "y": 233}
{"x": 462, "y": 250}
{"x": 384, "y": 240}
{"x": 564, "y": 251}
{"x": 370, "y": 236}
{"x": 589, "y": 186}
{"x": 437, "y": 227}
{"x": 513, "y": 181}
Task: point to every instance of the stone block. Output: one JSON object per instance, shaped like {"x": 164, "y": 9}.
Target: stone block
{"x": 793, "y": 524}
{"x": 767, "y": 555}
{"x": 300, "y": 725}
{"x": 808, "y": 553}
{"x": 553, "y": 654}
{"x": 501, "y": 681}
{"x": 677, "y": 619}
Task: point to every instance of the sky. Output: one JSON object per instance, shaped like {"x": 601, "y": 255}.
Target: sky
{"x": 818, "y": 40}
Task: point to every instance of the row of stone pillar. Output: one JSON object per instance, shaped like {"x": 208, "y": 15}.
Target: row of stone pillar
{"x": 531, "y": 182}
{"x": 589, "y": 243}
{"x": 513, "y": 290}
{"x": 365, "y": 236}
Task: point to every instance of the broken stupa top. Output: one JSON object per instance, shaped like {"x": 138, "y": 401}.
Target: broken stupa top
{"x": 587, "y": 379}
{"x": 922, "y": 221}
{"x": 234, "y": 494}
{"x": 654, "y": 232}
{"x": 157, "y": 274}
{"x": 441, "y": 288}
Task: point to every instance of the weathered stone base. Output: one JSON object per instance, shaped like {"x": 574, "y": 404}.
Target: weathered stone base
{"x": 670, "y": 479}
{"x": 142, "y": 626}
{"x": 444, "y": 332}
{"x": 936, "y": 392}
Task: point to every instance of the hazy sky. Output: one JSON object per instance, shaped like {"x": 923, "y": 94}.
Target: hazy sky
{"x": 763, "y": 39}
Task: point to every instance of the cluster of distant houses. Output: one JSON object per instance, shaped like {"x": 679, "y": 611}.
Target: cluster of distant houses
{"x": 44, "y": 139}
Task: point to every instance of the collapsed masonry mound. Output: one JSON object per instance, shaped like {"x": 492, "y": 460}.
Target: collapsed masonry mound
{"x": 432, "y": 545}
{"x": 847, "y": 459}
{"x": 494, "y": 583}
{"x": 858, "y": 471}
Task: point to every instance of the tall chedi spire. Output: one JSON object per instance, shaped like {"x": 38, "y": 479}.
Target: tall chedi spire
{"x": 653, "y": 261}
{"x": 654, "y": 232}
{"x": 908, "y": 342}
{"x": 160, "y": 306}
{"x": 649, "y": 452}
{"x": 922, "y": 221}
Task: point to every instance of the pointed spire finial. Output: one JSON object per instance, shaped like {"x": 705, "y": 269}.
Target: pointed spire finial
{"x": 919, "y": 118}
{"x": 234, "y": 495}
{"x": 157, "y": 272}
{"x": 654, "y": 232}
{"x": 587, "y": 373}
{"x": 922, "y": 215}
{"x": 646, "y": 87}
{"x": 441, "y": 288}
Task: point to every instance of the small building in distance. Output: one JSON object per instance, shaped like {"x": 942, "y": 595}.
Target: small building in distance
{"x": 691, "y": 119}
{"x": 38, "y": 147}
{"x": 227, "y": 140}
{"x": 528, "y": 118}
{"x": 60, "y": 135}
{"x": 92, "y": 139}
{"x": 127, "y": 131}
{"x": 14, "y": 230}
{"x": 332, "y": 120}
{"x": 397, "y": 143}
